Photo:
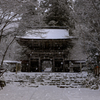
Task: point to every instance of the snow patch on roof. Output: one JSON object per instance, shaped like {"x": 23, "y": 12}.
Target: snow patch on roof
{"x": 11, "y": 61}
{"x": 46, "y": 34}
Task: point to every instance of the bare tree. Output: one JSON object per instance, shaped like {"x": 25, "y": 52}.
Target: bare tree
{"x": 10, "y": 17}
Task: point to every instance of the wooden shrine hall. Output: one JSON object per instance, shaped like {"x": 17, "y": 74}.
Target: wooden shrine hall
{"x": 49, "y": 44}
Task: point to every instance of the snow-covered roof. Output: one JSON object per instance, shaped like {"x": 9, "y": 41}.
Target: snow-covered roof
{"x": 11, "y": 61}
{"x": 47, "y": 34}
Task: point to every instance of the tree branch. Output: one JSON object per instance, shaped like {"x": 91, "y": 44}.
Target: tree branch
{"x": 6, "y": 51}
{"x": 6, "y": 23}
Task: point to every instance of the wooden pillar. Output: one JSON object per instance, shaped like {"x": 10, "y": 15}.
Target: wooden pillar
{"x": 16, "y": 67}
{"x": 53, "y": 67}
{"x": 80, "y": 67}
{"x": 40, "y": 65}
{"x": 29, "y": 65}
{"x": 63, "y": 65}
{"x": 71, "y": 67}
{"x": 97, "y": 70}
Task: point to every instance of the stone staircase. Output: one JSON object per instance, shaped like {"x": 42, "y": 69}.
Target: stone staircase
{"x": 61, "y": 80}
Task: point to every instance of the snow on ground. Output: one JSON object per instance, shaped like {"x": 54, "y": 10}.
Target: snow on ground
{"x": 16, "y": 92}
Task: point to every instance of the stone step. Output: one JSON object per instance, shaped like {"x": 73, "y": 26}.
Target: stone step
{"x": 58, "y": 79}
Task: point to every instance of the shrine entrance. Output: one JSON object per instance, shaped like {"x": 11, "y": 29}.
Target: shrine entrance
{"x": 47, "y": 49}
{"x": 47, "y": 66}
{"x": 59, "y": 65}
{"x": 34, "y": 67}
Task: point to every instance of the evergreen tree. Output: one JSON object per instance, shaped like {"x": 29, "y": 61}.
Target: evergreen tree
{"x": 58, "y": 13}
{"x": 32, "y": 17}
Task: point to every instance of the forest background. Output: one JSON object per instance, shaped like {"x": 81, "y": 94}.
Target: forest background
{"x": 82, "y": 18}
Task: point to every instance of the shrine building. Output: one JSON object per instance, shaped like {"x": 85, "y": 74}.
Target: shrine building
{"x": 46, "y": 44}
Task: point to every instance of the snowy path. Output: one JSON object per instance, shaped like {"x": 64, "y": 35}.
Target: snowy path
{"x": 15, "y": 92}
{"x": 49, "y": 93}
{"x": 54, "y": 93}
